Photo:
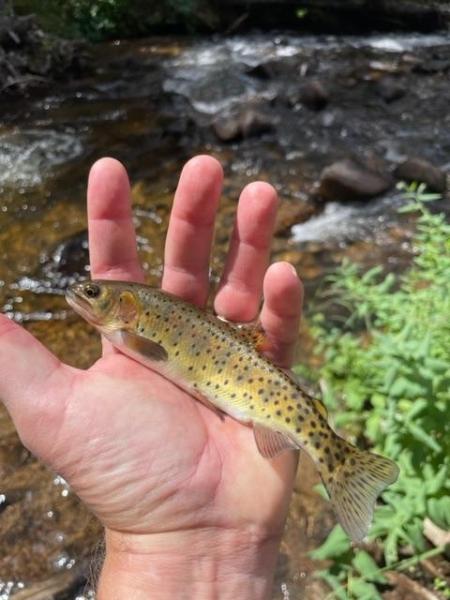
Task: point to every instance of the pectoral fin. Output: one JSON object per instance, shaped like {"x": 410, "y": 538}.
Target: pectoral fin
{"x": 270, "y": 442}
{"x": 143, "y": 346}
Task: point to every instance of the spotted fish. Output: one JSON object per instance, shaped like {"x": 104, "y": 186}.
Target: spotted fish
{"x": 224, "y": 366}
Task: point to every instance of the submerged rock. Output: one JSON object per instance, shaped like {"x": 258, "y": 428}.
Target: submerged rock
{"x": 314, "y": 95}
{"x": 291, "y": 213}
{"x": 418, "y": 169}
{"x": 67, "y": 263}
{"x": 242, "y": 123}
{"x": 389, "y": 89}
{"x": 349, "y": 180}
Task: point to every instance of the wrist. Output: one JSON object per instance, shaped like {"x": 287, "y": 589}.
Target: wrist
{"x": 205, "y": 564}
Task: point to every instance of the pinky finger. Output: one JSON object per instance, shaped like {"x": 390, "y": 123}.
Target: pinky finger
{"x": 281, "y": 311}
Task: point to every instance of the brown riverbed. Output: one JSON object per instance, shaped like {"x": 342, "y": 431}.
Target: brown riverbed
{"x": 140, "y": 105}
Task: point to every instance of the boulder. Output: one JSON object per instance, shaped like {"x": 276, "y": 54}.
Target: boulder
{"x": 418, "y": 169}
{"x": 350, "y": 180}
{"x": 242, "y": 123}
{"x": 312, "y": 94}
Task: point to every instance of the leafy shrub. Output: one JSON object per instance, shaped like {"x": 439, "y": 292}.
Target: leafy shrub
{"x": 105, "y": 19}
{"x": 386, "y": 374}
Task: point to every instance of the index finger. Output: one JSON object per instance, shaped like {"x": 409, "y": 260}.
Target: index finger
{"x": 112, "y": 239}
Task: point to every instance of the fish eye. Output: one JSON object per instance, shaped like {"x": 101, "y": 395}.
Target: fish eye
{"x": 92, "y": 290}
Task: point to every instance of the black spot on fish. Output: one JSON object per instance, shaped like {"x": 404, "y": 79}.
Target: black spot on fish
{"x": 288, "y": 420}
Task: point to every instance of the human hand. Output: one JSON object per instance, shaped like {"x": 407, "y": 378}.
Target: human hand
{"x": 190, "y": 508}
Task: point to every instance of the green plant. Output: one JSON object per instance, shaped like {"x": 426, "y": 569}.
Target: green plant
{"x": 386, "y": 374}
{"x": 105, "y": 19}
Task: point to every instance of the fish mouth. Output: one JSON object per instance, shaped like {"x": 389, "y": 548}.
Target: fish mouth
{"x": 76, "y": 300}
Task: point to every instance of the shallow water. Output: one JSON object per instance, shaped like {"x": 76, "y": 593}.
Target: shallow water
{"x": 150, "y": 103}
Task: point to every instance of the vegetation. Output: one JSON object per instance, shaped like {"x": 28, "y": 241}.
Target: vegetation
{"x": 386, "y": 375}
{"x": 104, "y": 19}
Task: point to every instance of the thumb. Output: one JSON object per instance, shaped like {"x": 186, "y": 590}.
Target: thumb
{"x": 33, "y": 384}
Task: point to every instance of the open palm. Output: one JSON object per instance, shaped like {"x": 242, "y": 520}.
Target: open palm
{"x": 141, "y": 453}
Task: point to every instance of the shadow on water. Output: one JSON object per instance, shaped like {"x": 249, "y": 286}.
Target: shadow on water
{"x": 153, "y": 104}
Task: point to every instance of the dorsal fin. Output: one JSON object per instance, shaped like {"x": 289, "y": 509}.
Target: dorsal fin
{"x": 251, "y": 332}
{"x": 254, "y": 336}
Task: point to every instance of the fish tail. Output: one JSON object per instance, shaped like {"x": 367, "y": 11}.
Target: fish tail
{"x": 354, "y": 484}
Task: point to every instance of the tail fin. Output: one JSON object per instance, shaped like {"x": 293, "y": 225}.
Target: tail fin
{"x": 354, "y": 486}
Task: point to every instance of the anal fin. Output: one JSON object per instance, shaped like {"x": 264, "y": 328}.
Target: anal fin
{"x": 270, "y": 443}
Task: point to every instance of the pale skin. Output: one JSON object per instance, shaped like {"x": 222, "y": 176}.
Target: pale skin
{"x": 190, "y": 509}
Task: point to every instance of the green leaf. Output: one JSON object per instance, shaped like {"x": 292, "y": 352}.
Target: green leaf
{"x": 362, "y": 590}
{"x": 439, "y": 511}
{"x": 423, "y": 436}
{"x": 367, "y": 567}
{"x": 336, "y": 544}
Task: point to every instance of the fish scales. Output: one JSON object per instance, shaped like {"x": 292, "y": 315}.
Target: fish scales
{"x": 219, "y": 363}
{"x": 223, "y": 366}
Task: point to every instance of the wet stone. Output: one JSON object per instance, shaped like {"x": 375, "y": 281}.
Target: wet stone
{"x": 349, "y": 180}
{"x": 421, "y": 170}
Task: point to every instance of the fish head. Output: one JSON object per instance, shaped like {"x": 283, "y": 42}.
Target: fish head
{"x": 108, "y": 305}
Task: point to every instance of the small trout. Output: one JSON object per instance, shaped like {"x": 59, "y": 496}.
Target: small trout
{"x": 222, "y": 365}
